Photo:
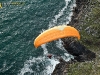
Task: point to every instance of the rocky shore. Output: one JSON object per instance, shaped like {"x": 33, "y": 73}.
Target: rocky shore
{"x": 80, "y": 9}
{"x": 79, "y": 12}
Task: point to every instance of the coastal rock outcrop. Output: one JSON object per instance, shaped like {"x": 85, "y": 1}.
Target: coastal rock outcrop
{"x": 79, "y": 51}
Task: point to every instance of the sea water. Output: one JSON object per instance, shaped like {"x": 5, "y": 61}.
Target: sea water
{"x": 21, "y": 21}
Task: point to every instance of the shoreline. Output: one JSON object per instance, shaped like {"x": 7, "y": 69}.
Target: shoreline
{"x": 63, "y": 67}
{"x": 77, "y": 12}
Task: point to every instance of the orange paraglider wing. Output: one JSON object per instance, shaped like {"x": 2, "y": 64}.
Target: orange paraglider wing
{"x": 56, "y": 33}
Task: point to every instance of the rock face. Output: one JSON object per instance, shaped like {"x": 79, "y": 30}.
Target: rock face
{"x": 79, "y": 51}
{"x": 61, "y": 68}
{"x": 78, "y": 11}
{"x": 75, "y": 48}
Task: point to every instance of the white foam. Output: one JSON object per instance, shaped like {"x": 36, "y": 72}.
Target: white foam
{"x": 41, "y": 59}
{"x": 68, "y": 18}
{"x": 66, "y": 56}
{"x": 45, "y": 49}
{"x": 26, "y": 67}
{"x": 29, "y": 63}
{"x": 54, "y": 21}
{"x": 49, "y": 68}
{"x": 59, "y": 44}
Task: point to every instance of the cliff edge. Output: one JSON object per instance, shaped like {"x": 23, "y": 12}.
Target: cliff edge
{"x": 86, "y": 17}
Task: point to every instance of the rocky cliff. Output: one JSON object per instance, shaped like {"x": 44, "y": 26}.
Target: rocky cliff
{"x": 86, "y": 17}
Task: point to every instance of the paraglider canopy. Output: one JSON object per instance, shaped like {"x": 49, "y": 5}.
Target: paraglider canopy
{"x": 55, "y": 33}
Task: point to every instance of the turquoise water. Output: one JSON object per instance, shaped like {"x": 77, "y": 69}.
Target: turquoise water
{"x": 20, "y": 24}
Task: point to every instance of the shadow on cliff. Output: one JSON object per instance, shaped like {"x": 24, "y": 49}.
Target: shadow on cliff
{"x": 79, "y": 51}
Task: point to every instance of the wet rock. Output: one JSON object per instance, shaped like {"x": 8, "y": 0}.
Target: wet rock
{"x": 77, "y": 11}
{"x": 75, "y": 48}
{"x": 80, "y": 53}
{"x": 61, "y": 68}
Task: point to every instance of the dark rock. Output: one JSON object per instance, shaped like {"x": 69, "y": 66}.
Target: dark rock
{"x": 61, "y": 68}
{"x": 79, "y": 51}
{"x": 77, "y": 11}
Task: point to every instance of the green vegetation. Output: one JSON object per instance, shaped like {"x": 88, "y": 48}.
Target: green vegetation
{"x": 90, "y": 37}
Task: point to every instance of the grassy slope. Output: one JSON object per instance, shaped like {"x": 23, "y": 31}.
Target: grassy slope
{"x": 90, "y": 37}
